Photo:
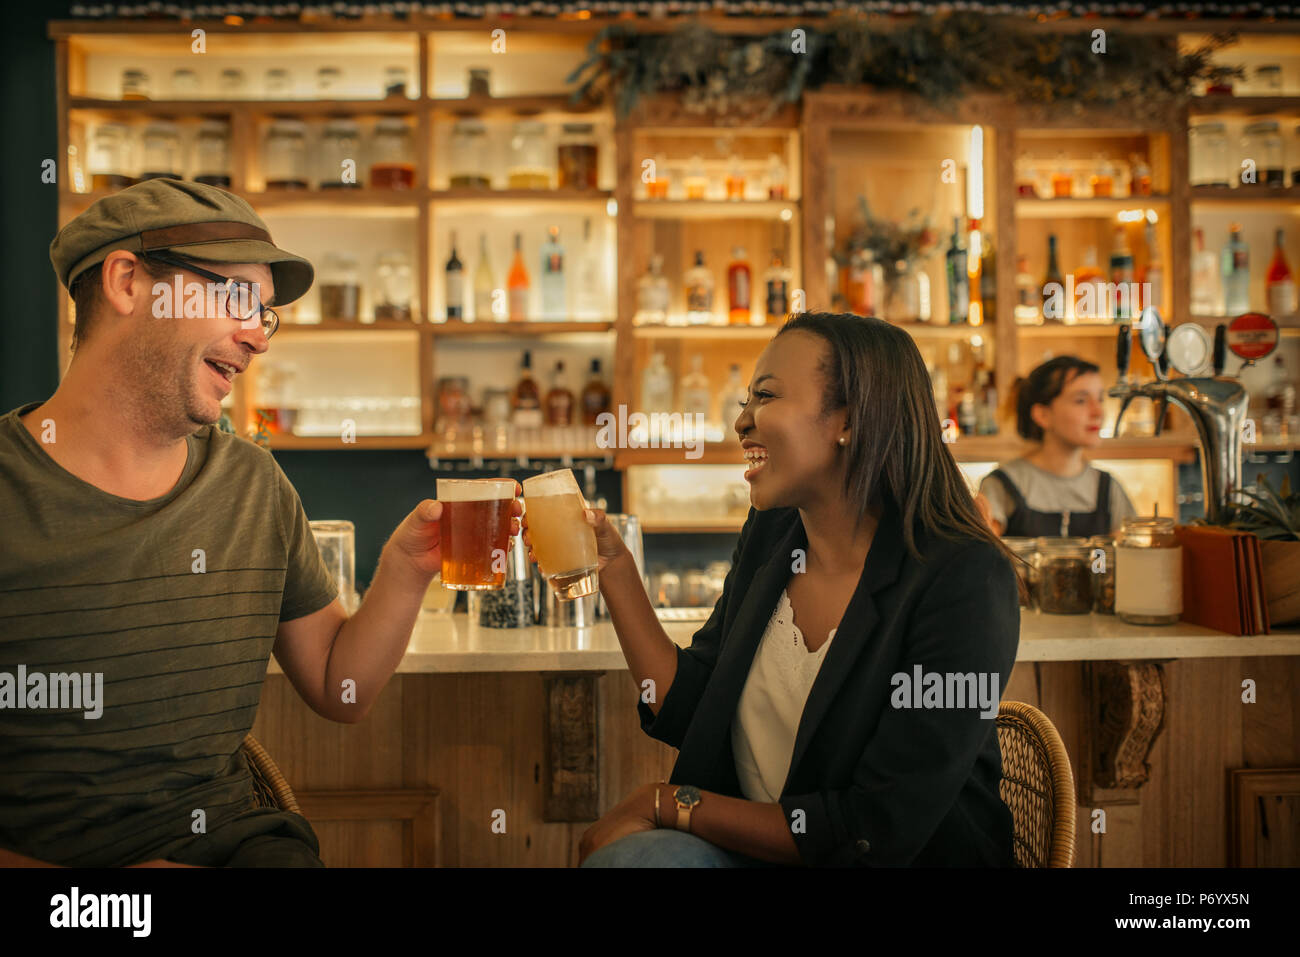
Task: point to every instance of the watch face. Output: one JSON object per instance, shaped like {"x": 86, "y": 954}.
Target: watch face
{"x": 688, "y": 795}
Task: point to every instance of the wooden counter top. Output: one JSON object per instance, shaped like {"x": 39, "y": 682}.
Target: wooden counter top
{"x": 449, "y": 644}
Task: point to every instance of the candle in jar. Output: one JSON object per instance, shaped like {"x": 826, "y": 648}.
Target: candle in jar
{"x": 1148, "y": 582}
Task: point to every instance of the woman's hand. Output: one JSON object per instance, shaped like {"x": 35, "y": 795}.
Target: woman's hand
{"x": 609, "y": 545}
{"x": 635, "y": 813}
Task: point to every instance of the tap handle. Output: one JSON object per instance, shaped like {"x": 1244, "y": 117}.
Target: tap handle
{"x": 1123, "y": 349}
{"x": 1220, "y": 348}
{"x": 1162, "y": 365}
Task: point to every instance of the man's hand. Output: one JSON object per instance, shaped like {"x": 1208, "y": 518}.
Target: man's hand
{"x": 635, "y": 813}
{"x": 417, "y": 539}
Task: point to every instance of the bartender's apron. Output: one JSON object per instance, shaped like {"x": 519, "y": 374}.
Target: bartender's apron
{"x": 1026, "y": 522}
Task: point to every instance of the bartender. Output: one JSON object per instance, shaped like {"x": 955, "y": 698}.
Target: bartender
{"x": 1052, "y": 490}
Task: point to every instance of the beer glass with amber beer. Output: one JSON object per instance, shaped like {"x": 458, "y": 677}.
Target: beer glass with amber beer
{"x": 563, "y": 543}
{"x": 475, "y": 530}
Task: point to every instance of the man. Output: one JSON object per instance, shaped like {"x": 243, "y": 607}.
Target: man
{"x": 151, "y": 562}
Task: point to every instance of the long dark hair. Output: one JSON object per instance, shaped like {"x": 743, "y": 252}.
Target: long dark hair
{"x": 1043, "y": 385}
{"x": 896, "y": 450}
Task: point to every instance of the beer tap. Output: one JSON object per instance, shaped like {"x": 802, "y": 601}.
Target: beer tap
{"x": 1215, "y": 404}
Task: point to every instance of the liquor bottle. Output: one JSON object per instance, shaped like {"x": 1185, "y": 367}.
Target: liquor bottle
{"x": 483, "y": 282}
{"x": 777, "y": 178}
{"x": 1153, "y": 276}
{"x": 517, "y": 283}
{"x": 989, "y": 405}
{"x": 988, "y": 277}
{"x": 1205, "y": 285}
{"x": 1053, "y": 286}
{"x": 526, "y": 399}
{"x": 589, "y": 288}
{"x": 559, "y": 400}
{"x": 1121, "y": 276}
{"x": 1090, "y": 290}
{"x": 776, "y": 281}
{"x": 733, "y": 395}
{"x": 697, "y": 396}
{"x": 595, "y": 396}
{"x": 739, "y": 288}
{"x": 652, "y": 295}
{"x": 1028, "y": 311}
{"x": 1236, "y": 273}
{"x": 1279, "y": 401}
{"x": 958, "y": 279}
{"x": 455, "y": 279}
{"x": 1279, "y": 285}
{"x": 699, "y": 293}
{"x": 695, "y": 181}
{"x": 735, "y": 179}
{"x": 1141, "y": 181}
{"x": 552, "y": 282}
{"x": 656, "y": 386}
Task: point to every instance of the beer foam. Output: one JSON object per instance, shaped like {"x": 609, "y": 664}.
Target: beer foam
{"x": 475, "y": 490}
{"x": 559, "y": 482}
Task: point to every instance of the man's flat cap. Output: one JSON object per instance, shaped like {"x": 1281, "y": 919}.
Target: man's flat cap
{"x": 190, "y": 220}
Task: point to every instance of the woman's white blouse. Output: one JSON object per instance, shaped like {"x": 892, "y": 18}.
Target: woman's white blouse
{"x": 771, "y": 705}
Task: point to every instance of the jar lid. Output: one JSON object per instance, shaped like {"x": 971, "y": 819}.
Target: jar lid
{"x": 391, "y": 124}
{"x": 342, "y": 124}
{"x": 214, "y": 125}
{"x": 530, "y": 127}
{"x": 287, "y": 124}
{"x": 1156, "y": 522}
{"x": 1261, "y": 126}
{"x": 1211, "y": 127}
{"x": 1047, "y": 543}
{"x": 1269, "y": 68}
{"x": 579, "y": 127}
{"x": 160, "y": 128}
{"x": 112, "y": 129}
{"x": 469, "y": 127}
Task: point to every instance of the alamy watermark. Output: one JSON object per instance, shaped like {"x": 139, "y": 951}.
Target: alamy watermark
{"x": 655, "y": 430}
{"x": 76, "y": 691}
{"x": 947, "y": 690}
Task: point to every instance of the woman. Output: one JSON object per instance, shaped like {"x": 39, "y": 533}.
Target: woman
{"x": 862, "y": 559}
{"x": 1052, "y": 490}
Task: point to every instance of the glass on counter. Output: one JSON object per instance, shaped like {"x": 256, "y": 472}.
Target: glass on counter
{"x": 337, "y": 543}
{"x": 438, "y": 598}
{"x": 340, "y": 154}
{"x": 340, "y": 287}
{"x": 1064, "y": 576}
{"x": 469, "y": 155}
{"x": 1102, "y": 552}
{"x": 1148, "y": 572}
{"x": 530, "y": 161}
{"x": 563, "y": 543}
{"x": 1208, "y": 145}
{"x": 284, "y": 154}
{"x": 396, "y": 287}
{"x": 212, "y": 154}
{"x": 1025, "y": 549}
{"x": 475, "y": 531}
{"x": 135, "y": 85}
{"x": 160, "y": 156}
{"x": 110, "y": 151}
{"x": 1261, "y": 143}
{"x": 393, "y": 162}
{"x": 576, "y": 156}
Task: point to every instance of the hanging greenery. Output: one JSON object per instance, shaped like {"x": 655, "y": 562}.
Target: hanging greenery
{"x": 940, "y": 58}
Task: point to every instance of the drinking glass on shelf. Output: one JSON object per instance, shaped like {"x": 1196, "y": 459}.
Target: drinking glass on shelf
{"x": 475, "y": 532}
{"x": 277, "y": 84}
{"x": 232, "y": 84}
{"x": 185, "y": 84}
{"x": 562, "y": 541}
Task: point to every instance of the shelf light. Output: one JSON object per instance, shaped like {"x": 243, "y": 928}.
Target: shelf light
{"x": 1132, "y": 215}
{"x": 975, "y": 174}
{"x": 611, "y": 207}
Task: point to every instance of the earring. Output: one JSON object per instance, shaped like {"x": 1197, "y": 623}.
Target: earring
{"x": 843, "y": 440}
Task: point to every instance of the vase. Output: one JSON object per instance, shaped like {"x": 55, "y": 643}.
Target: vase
{"x": 1281, "y": 561}
{"x": 902, "y": 295}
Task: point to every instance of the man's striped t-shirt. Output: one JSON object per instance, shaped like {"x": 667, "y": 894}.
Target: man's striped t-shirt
{"x": 171, "y": 607}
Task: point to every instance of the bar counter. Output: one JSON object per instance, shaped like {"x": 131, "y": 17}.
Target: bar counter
{"x": 451, "y": 644}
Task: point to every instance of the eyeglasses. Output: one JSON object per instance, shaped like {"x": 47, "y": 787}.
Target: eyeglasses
{"x": 242, "y": 301}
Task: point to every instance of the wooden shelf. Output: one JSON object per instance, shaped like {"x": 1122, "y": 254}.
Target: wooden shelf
{"x": 566, "y": 195}
{"x": 999, "y": 448}
{"x": 377, "y": 202}
{"x": 488, "y": 455}
{"x": 509, "y": 329}
{"x": 198, "y": 108}
{"x": 934, "y": 330}
{"x": 705, "y": 332}
{"x": 332, "y": 326}
{"x": 1099, "y": 207}
{"x": 1053, "y": 330}
{"x": 511, "y": 105}
{"x": 1243, "y": 105}
{"x": 713, "y": 453}
{"x": 777, "y": 209}
{"x": 1262, "y": 197}
{"x": 1289, "y": 325}
{"x": 722, "y": 526}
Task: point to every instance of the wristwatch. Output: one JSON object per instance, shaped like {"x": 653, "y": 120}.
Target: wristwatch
{"x": 688, "y": 798}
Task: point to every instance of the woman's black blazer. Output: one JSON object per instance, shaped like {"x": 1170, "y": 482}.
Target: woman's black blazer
{"x": 876, "y": 785}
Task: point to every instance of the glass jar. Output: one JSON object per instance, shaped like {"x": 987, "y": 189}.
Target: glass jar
{"x": 1024, "y": 548}
{"x": 212, "y": 154}
{"x": 160, "y": 157}
{"x": 340, "y": 152}
{"x": 454, "y": 405}
{"x": 577, "y": 156}
{"x": 1262, "y": 143}
{"x": 1208, "y": 145}
{"x": 1268, "y": 80}
{"x": 135, "y": 85}
{"x": 277, "y": 84}
{"x": 480, "y": 81}
{"x": 392, "y": 165}
{"x": 284, "y": 154}
{"x": 185, "y": 84}
{"x": 1148, "y": 572}
{"x": 395, "y": 286}
{"x": 232, "y": 84}
{"x": 110, "y": 157}
{"x": 1064, "y": 576}
{"x": 328, "y": 81}
{"x": 1102, "y": 556}
{"x": 340, "y": 288}
{"x": 469, "y": 155}
{"x": 530, "y": 162}
{"x": 395, "y": 81}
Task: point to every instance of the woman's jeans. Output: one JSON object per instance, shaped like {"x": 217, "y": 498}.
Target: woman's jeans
{"x": 666, "y": 847}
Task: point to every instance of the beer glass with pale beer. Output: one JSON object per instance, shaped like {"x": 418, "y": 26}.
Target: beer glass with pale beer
{"x": 563, "y": 543}
{"x": 475, "y": 530}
